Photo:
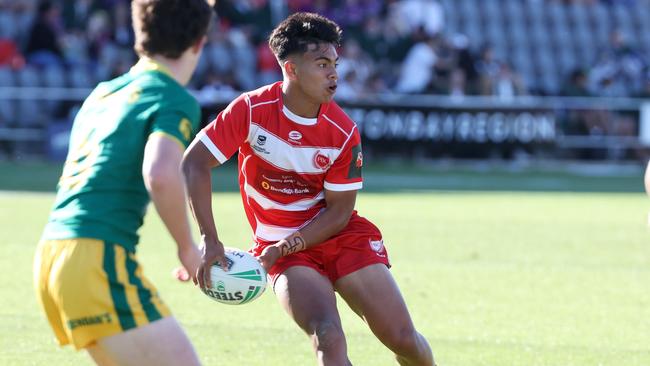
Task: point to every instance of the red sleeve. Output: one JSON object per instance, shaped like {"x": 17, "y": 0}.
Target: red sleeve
{"x": 345, "y": 173}
{"x": 228, "y": 131}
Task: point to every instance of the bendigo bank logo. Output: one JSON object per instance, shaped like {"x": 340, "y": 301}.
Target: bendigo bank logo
{"x": 321, "y": 161}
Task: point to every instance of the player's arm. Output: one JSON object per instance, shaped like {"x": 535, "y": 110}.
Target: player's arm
{"x": 162, "y": 178}
{"x": 335, "y": 216}
{"x": 197, "y": 164}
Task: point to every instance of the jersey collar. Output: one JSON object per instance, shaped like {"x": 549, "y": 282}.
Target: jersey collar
{"x": 296, "y": 118}
{"x": 148, "y": 64}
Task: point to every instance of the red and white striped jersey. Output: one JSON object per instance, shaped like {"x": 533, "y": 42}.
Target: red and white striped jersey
{"x": 285, "y": 161}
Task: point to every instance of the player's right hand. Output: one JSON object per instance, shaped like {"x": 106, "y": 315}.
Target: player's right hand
{"x": 213, "y": 252}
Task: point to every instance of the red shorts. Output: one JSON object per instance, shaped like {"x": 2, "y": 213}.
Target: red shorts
{"x": 358, "y": 245}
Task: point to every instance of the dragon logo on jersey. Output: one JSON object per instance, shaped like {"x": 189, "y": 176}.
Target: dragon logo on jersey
{"x": 321, "y": 161}
{"x": 356, "y": 162}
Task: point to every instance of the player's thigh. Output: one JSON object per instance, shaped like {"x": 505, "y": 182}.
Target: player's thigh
{"x": 162, "y": 342}
{"x": 307, "y": 296}
{"x": 373, "y": 294}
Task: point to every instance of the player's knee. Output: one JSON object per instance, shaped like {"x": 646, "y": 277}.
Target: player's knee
{"x": 328, "y": 336}
{"x": 402, "y": 341}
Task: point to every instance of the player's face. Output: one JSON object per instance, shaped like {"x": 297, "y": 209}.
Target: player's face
{"x": 316, "y": 72}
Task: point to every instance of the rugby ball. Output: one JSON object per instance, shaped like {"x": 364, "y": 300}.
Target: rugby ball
{"x": 244, "y": 281}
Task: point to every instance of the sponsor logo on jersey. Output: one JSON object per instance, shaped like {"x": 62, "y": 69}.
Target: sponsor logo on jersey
{"x": 185, "y": 128}
{"x": 321, "y": 161}
{"x": 89, "y": 320}
{"x": 294, "y": 136}
{"x": 359, "y": 162}
{"x": 285, "y": 184}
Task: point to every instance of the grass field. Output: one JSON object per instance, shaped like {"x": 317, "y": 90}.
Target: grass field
{"x": 491, "y": 277}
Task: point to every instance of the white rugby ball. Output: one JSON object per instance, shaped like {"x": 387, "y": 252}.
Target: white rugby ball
{"x": 244, "y": 281}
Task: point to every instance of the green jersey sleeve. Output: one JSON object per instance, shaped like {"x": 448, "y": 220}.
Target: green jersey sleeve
{"x": 179, "y": 124}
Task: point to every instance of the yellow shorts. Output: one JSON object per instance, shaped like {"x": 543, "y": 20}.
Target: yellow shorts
{"x": 90, "y": 289}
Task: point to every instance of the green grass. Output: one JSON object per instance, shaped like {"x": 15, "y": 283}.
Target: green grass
{"x": 491, "y": 278}
{"x": 391, "y": 177}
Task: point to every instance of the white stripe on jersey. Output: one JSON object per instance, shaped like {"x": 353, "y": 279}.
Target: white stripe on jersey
{"x": 212, "y": 147}
{"x": 274, "y": 233}
{"x": 260, "y": 103}
{"x": 339, "y": 127}
{"x": 268, "y": 204}
{"x": 283, "y": 155}
{"x": 342, "y": 187}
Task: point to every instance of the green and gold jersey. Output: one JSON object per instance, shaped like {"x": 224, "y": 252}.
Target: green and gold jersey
{"x": 101, "y": 193}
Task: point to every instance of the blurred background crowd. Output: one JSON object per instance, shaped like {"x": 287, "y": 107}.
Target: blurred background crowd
{"x": 449, "y": 47}
{"x": 504, "y": 49}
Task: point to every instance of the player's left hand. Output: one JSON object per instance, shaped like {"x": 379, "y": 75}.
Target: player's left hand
{"x": 181, "y": 274}
{"x": 269, "y": 256}
{"x": 190, "y": 257}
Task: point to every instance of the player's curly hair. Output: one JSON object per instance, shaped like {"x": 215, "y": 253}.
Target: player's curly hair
{"x": 168, "y": 27}
{"x": 299, "y": 30}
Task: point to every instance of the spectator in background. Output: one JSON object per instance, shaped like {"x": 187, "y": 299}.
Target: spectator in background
{"x": 43, "y": 47}
{"x": 457, "y": 84}
{"x": 354, "y": 59}
{"x": 216, "y": 86}
{"x": 122, "y": 33}
{"x": 267, "y": 66}
{"x": 465, "y": 63}
{"x": 417, "y": 70}
{"x": 98, "y": 35}
{"x": 349, "y": 87}
{"x": 244, "y": 56}
{"x": 582, "y": 122}
{"x": 426, "y": 14}
{"x": 10, "y": 54}
{"x": 376, "y": 84}
{"x": 507, "y": 83}
{"x": 576, "y": 85}
{"x": 217, "y": 50}
{"x": 76, "y": 13}
{"x": 487, "y": 68}
{"x": 619, "y": 70}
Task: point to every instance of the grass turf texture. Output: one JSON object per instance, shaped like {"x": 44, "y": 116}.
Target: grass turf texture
{"x": 491, "y": 278}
